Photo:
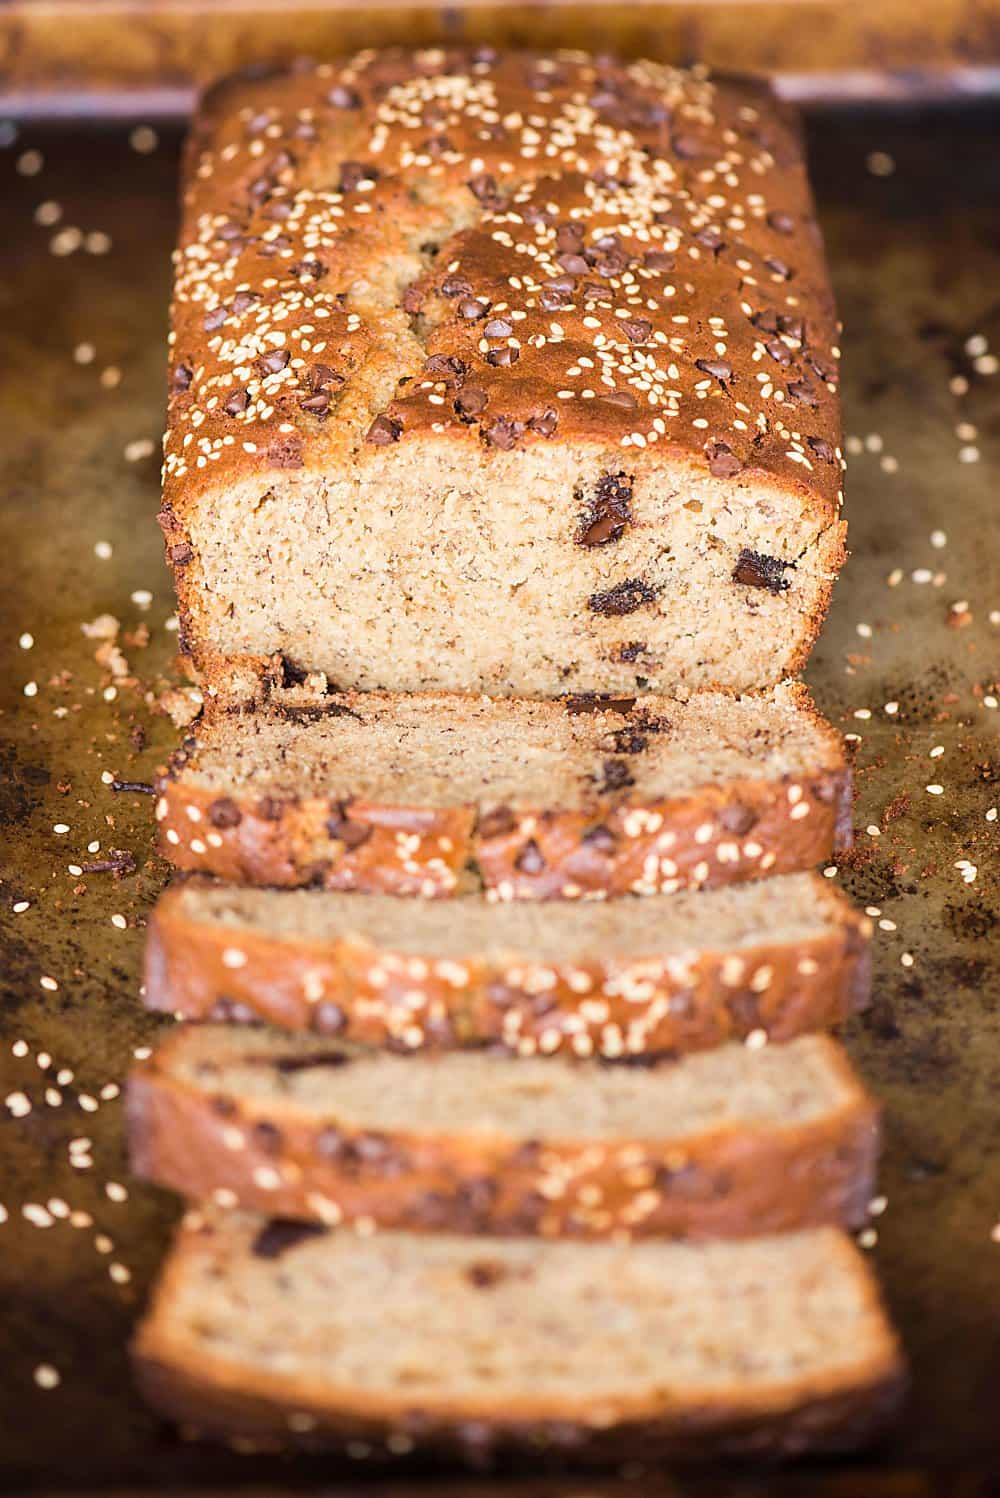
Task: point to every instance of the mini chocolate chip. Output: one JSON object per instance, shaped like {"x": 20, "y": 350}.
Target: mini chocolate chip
{"x": 275, "y": 361}
{"x": 180, "y": 379}
{"x": 710, "y": 239}
{"x": 719, "y": 369}
{"x": 342, "y": 97}
{"x": 353, "y": 173}
{"x": 822, "y": 449}
{"x": 321, "y": 376}
{"x": 659, "y": 260}
{"x": 223, "y": 812}
{"x": 530, "y": 860}
{"x": 722, "y": 461}
{"x": 615, "y": 776}
{"x": 608, "y": 513}
{"x": 755, "y": 570}
{"x": 237, "y": 403}
{"x": 383, "y": 431}
{"x": 471, "y": 308}
{"x": 793, "y": 326}
{"x": 624, "y": 598}
{"x": 496, "y": 823}
{"x": 503, "y": 358}
{"x": 781, "y": 223}
{"x": 544, "y": 422}
{"x": 281, "y": 1234}
{"x": 738, "y": 819}
{"x": 328, "y": 1018}
{"x": 637, "y": 329}
{"x": 268, "y": 1136}
{"x": 317, "y": 405}
{"x": 601, "y": 839}
{"x": 242, "y": 300}
{"x": 504, "y": 433}
{"x": 471, "y": 402}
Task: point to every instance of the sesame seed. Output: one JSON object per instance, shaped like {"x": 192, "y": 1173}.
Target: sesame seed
{"x": 47, "y": 1377}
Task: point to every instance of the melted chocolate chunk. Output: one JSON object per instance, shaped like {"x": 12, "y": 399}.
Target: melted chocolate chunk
{"x": 223, "y": 812}
{"x": 544, "y": 423}
{"x": 504, "y": 433}
{"x": 485, "y": 1273}
{"x": 722, "y": 461}
{"x": 353, "y": 173}
{"x": 384, "y": 430}
{"x": 328, "y": 1018}
{"x": 181, "y": 377}
{"x": 311, "y": 1061}
{"x": 608, "y": 513}
{"x": 351, "y": 833}
{"x": 624, "y": 598}
{"x": 497, "y": 823}
{"x": 601, "y": 839}
{"x": 615, "y": 776}
{"x": 719, "y": 369}
{"x": 237, "y": 403}
{"x": 530, "y": 859}
{"x": 738, "y": 819}
{"x": 280, "y": 1234}
{"x": 755, "y": 570}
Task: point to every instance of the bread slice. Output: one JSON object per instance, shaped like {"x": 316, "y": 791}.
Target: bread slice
{"x": 397, "y": 794}
{"x": 622, "y": 977}
{"x": 725, "y": 1143}
{"x": 512, "y": 373}
{"x": 273, "y": 1334}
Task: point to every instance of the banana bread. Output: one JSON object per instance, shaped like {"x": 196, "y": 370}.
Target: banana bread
{"x": 270, "y": 1334}
{"x": 624, "y": 977}
{"x": 725, "y": 1143}
{"x": 502, "y": 373}
{"x": 579, "y": 797}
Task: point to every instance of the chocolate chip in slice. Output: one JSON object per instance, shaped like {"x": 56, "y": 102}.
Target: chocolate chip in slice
{"x": 280, "y": 1234}
{"x": 754, "y": 569}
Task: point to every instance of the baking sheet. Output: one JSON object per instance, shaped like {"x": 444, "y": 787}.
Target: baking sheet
{"x": 908, "y": 662}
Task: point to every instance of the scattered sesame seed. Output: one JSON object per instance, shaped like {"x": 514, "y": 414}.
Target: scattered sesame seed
{"x": 935, "y": 790}
{"x": 103, "y": 550}
{"x": 880, "y": 164}
{"x": 47, "y": 1377}
{"x": 144, "y": 139}
{"x": 30, "y": 163}
{"x": 26, "y": 641}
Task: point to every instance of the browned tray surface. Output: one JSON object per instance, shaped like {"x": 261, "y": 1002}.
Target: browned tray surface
{"x": 915, "y": 259}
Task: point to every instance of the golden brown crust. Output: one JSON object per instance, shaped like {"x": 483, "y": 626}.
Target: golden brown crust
{"x": 729, "y": 1181}
{"x": 615, "y": 1006}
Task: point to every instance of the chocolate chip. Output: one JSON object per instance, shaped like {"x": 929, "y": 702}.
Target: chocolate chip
{"x": 737, "y": 819}
{"x": 485, "y": 1273}
{"x": 352, "y": 834}
{"x": 321, "y": 376}
{"x": 496, "y": 823}
{"x": 615, "y": 776}
{"x": 802, "y": 393}
{"x": 180, "y": 379}
{"x": 744, "y": 1010}
{"x": 629, "y": 740}
{"x": 453, "y": 286}
{"x": 447, "y": 367}
{"x": 778, "y": 267}
{"x": 223, "y": 812}
{"x": 755, "y": 570}
{"x": 437, "y": 146}
{"x": 317, "y": 405}
{"x": 353, "y": 173}
{"x": 281, "y": 1234}
{"x": 486, "y": 190}
{"x": 624, "y": 598}
{"x": 328, "y": 1018}
{"x": 573, "y": 264}
{"x": 608, "y": 513}
{"x": 180, "y": 554}
{"x": 781, "y": 223}
{"x": 503, "y": 358}
{"x": 498, "y": 327}
{"x": 214, "y": 319}
{"x": 686, "y": 147}
{"x": 237, "y": 403}
{"x": 659, "y": 260}
{"x": 530, "y": 859}
{"x": 504, "y": 433}
{"x": 311, "y": 1061}
{"x": 229, "y": 1012}
{"x": 309, "y": 269}
{"x": 342, "y": 97}
{"x": 471, "y": 308}
{"x": 601, "y": 839}
{"x": 717, "y": 368}
{"x": 623, "y": 398}
{"x": 780, "y": 352}
{"x": 471, "y": 402}
{"x": 267, "y": 1136}
{"x": 710, "y": 239}
{"x": 274, "y": 362}
{"x": 722, "y": 461}
{"x": 544, "y": 422}
{"x": 569, "y": 237}
{"x": 383, "y": 431}
{"x": 637, "y": 329}
{"x": 270, "y": 809}
{"x": 243, "y": 300}
{"x": 822, "y": 449}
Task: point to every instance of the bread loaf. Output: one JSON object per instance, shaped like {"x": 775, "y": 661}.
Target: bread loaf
{"x": 508, "y": 373}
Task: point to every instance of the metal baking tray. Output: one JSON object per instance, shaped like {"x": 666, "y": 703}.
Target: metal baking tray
{"x": 908, "y": 663}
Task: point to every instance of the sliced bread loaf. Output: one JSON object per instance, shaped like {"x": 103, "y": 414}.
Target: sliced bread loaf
{"x": 273, "y": 1334}
{"x": 621, "y": 977}
{"x": 725, "y": 1143}
{"x": 399, "y": 794}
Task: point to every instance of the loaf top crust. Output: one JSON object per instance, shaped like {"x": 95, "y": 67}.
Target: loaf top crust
{"x": 505, "y": 250}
